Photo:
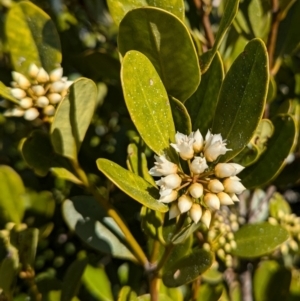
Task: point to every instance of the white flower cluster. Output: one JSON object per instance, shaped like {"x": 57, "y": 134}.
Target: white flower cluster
{"x": 207, "y": 186}
{"x": 38, "y": 95}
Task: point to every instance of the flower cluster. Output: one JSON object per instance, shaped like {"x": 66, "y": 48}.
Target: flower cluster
{"x": 207, "y": 186}
{"x": 38, "y": 94}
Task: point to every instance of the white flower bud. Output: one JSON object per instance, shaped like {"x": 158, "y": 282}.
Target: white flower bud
{"x": 57, "y": 87}
{"x": 168, "y": 195}
{"x": 68, "y": 83}
{"x": 234, "y": 226}
{"x": 56, "y": 74}
{"x": 215, "y": 186}
{"x": 284, "y": 249}
{"x": 42, "y": 101}
{"x": 49, "y": 110}
{"x": 198, "y": 165}
{"x": 293, "y": 245}
{"x": 18, "y": 93}
{"x": 214, "y": 146}
{"x": 15, "y": 112}
{"x": 224, "y": 170}
{"x": 198, "y": 141}
{"x": 54, "y": 98}
{"x": 163, "y": 167}
{"x": 222, "y": 240}
{"x": 169, "y": 182}
{"x": 225, "y": 199}
{"x": 227, "y": 248}
{"x": 212, "y": 201}
{"x": 234, "y": 197}
{"x": 196, "y": 213}
{"x": 33, "y": 71}
{"x": 233, "y": 186}
{"x": 21, "y": 80}
{"x": 206, "y": 218}
{"x": 196, "y": 190}
{"x": 174, "y": 211}
{"x": 233, "y": 244}
{"x": 185, "y": 203}
{"x": 38, "y": 90}
{"x": 238, "y": 168}
{"x": 26, "y": 103}
{"x": 42, "y": 76}
{"x": 273, "y": 221}
{"x": 31, "y": 114}
{"x": 184, "y": 146}
{"x": 221, "y": 253}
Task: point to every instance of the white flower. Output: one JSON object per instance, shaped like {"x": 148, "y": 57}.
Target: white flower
{"x": 169, "y": 182}
{"x": 214, "y": 146}
{"x": 18, "y": 93}
{"x": 196, "y": 212}
{"x": 215, "y": 186}
{"x": 174, "y": 211}
{"x": 198, "y": 165}
{"x": 196, "y": 190}
{"x": 163, "y": 167}
{"x": 198, "y": 141}
{"x": 224, "y": 198}
{"x": 206, "y": 218}
{"x": 232, "y": 185}
{"x": 31, "y": 114}
{"x": 167, "y": 195}
{"x": 21, "y": 80}
{"x": 185, "y": 203}
{"x": 184, "y": 146}
{"x": 212, "y": 201}
{"x": 42, "y": 76}
{"x": 33, "y": 70}
{"x": 56, "y": 74}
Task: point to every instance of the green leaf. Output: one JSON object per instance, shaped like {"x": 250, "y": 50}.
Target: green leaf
{"x": 127, "y": 294}
{"x": 38, "y": 153}
{"x": 202, "y": 104}
{"x": 188, "y": 268}
{"x": 230, "y": 10}
{"x": 85, "y": 216}
{"x": 73, "y": 117}
{"x": 72, "y": 279}
{"x": 97, "y": 283}
{"x": 277, "y": 203}
{"x": 255, "y": 240}
{"x": 242, "y": 98}
{"x": 8, "y": 274}
{"x": 185, "y": 232}
{"x": 272, "y": 161}
{"x": 11, "y": 196}
{"x": 118, "y": 9}
{"x": 271, "y": 281}
{"x": 295, "y": 286}
{"x": 147, "y": 297}
{"x": 5, "y": 93}
{"x": 181, "y": 116}
{"x": 133, "y": 185}
{"x": 32, "y": 38}
{"x": 147, "y": 101}
{"x": 147, "y": 30}
{"x": 137, "y": 161}
{"x": 208, "y": 292}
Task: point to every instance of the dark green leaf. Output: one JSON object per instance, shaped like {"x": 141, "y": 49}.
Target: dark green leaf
{"x": 242, "y": 98}
{"x": 255, "y": 240}
{"x": 72, "y": 279}
{"x": 133, "y": 185}
{"x": 147, "y": 101}
{"x": 271, "y": 161}
{"x": 12, "y": 191}
{"x": 202, "y": 104}
{"x": 147, "y": 30}
{"x": 118, "y": 9}
{"x": 230, "y": 10}
{"x": 73, "y": 117}
{"x": 32, "y": 38}
{"x": 85, "y": 216}
{"x": 188, "y": 268}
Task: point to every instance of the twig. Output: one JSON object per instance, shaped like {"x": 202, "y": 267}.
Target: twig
{"x": 246, "y": 280}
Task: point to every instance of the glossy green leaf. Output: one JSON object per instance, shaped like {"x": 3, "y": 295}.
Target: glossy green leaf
{"x": 242, "y": 98}
{"x": 202, "y": 104}
{"x": 255, "y": 240}
{"x": 38, "y": 153}
{"x": 137, "y": 161}
{"x": 208, "y": 292}
{"x": 181, "y": 116}
{"x": 271, "y": 161}
{"x": 271, "y": 281}
{"x": 133, "y": 185}
{"x": 185, "y": 232}
{"x": 188, "y": 268}
{"x": 73, "y": 117}
{"x": 32, "y": 38}
{"x": 147, "y": 30}
{"x": 97, "y": 283}
{"x": 118, "y": 9}
{"x": 72, "y": 279}
{"x": 85, "y": 216}
{"x": 277, "y": 203}
{"x": 147, "y": 101}
{"x": 247, "y": 156}
{"x": 11, "y": 196}
{"x": 127, "y": 294}
{"x": 230, "y": 10}
{"x": 5, "y": 93}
